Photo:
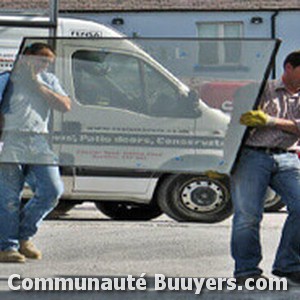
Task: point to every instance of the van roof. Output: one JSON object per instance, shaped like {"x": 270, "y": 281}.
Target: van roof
{"x": 63, "y": 24}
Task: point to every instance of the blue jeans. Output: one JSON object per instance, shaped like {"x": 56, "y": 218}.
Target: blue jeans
{"x": 20, "y": 223}
{"x": 255, "y": 171}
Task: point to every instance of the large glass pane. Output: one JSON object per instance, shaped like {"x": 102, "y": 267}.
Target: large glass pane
{"x": 144, "y": 104}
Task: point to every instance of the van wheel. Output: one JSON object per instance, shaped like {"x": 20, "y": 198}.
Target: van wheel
{"x": 128, "y": 211}
{"x": 195, "y": 198}
{"x": 273, "y": 201}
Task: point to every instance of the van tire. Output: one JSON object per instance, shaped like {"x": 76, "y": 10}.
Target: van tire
{"x": 195, "y": 198}
{"x": 128, "y": 211}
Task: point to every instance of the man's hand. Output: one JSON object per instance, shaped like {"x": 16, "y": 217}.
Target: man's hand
{"x": 257, "y": 118}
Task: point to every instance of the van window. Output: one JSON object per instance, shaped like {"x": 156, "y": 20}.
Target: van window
{"x": 107, "y": 79}
{"x": 161, "y": 96}
{"x": 119, "y": 80}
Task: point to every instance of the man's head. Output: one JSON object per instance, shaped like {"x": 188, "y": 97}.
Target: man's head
{"x": 42, "y": 55}
{"x": 293, "y": 59}
{"x": 291, "y": 75}
{"x": 36, "y": 48}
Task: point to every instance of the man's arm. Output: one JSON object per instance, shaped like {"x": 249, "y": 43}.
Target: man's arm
{"x": 258, "y": 118}
{"x": 287, "y": 125}
{"x": 55, "y": 100}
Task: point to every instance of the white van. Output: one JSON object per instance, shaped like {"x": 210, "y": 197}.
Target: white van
{"x": 130, "y": 183}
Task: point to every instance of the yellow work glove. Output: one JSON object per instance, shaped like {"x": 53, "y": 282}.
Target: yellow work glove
{"x": 256, "y": 118}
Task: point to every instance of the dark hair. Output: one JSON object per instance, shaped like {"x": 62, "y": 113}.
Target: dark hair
{"x": 293, "y": 58}
{"x": 36, "y": 48}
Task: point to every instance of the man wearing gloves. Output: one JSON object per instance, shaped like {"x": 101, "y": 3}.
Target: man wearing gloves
{"x": 269, "y": 158}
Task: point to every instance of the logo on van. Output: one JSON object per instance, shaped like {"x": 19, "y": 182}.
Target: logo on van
{"x": 85, "y": 33}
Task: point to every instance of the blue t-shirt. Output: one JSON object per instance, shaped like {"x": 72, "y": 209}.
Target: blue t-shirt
{"x": 25, "y": 109}
{"x": 4, "y": 77}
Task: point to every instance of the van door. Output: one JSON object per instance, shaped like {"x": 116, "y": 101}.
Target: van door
{"x": 125, "y": 113}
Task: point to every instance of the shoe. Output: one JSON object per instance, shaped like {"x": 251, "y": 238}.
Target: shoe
{"x": 241, "y": 280}
{"x": 28, "y": 249}
{"x": 293, "y": 278}
{"x": 12, "y": 256}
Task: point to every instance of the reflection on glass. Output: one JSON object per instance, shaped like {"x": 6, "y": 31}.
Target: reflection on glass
{"x": 151, "y": 104}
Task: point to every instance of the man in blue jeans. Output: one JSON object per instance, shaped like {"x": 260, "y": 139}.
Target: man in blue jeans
{"x": 30, "y": 95}
{"x": 269, "y": 158}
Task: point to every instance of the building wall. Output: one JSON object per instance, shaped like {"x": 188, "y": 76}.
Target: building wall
{"x": 183, "y": 24}
{"x": 178, "y": 24}
{"x": 287, "y": 24}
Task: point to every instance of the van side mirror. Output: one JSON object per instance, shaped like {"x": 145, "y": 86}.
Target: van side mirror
{"x": 181, "y": 107}
{"x": 190, "y": 105}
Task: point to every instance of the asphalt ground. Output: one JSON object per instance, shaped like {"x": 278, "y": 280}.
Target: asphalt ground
{"x": 86, "y": 244}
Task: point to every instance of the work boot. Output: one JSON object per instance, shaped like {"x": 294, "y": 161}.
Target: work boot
{"x": 293, "y": 278}
{"x": 28, "y": 249}
{"x": 12, "y": 256}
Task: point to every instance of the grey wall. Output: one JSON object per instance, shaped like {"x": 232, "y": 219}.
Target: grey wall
{"x": 183, "y": 24}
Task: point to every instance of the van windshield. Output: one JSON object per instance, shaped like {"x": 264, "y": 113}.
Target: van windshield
{"x": 151, "y": 104}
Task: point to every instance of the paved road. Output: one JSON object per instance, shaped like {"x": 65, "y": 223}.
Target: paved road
{"x": 87, "y": 244}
